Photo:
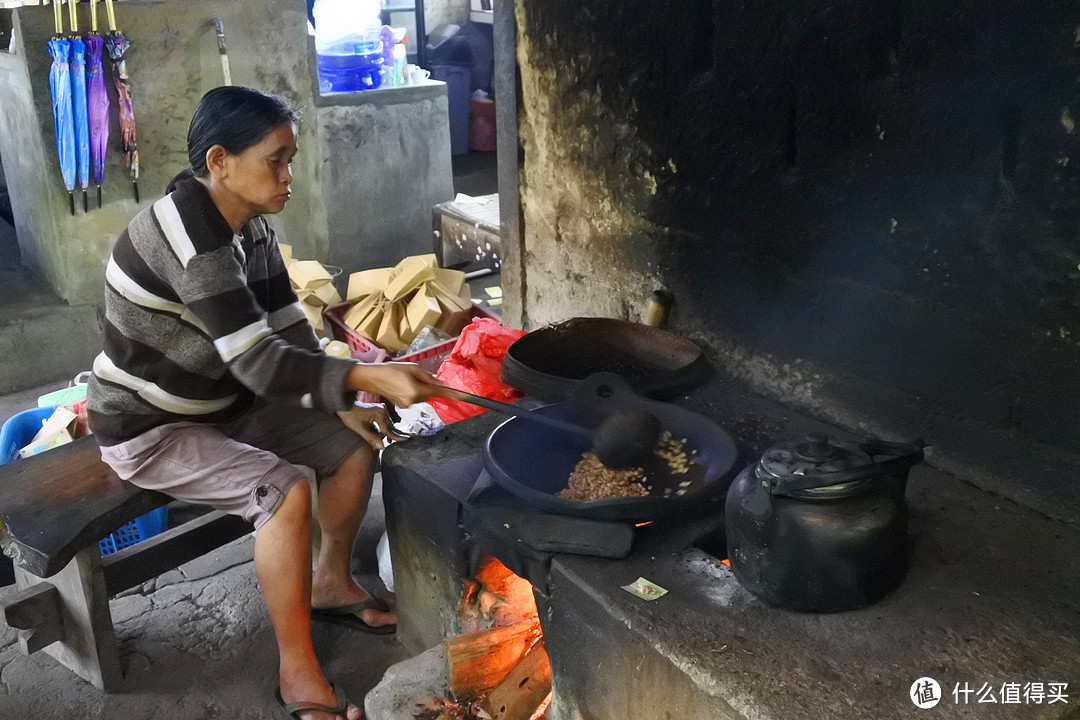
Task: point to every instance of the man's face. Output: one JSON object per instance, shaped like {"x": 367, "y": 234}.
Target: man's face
{"x": 260, "y": 176}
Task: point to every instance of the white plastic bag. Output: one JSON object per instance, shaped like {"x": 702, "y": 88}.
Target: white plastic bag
{"x": 386, "y": 571}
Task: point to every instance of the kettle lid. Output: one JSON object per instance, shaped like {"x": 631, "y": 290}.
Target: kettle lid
{"x": 816, "y": 454}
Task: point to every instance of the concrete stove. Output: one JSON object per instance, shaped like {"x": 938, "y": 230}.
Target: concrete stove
{"x": 989, "y": 609}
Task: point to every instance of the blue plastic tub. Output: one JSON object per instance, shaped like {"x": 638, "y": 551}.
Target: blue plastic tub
{"x": 20, "y": 429}
{"x": 349, "y": 73}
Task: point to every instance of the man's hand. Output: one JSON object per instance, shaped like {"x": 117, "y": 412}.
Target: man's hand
{"x": 403, "y": 384}
{"x": 370, "y": 422}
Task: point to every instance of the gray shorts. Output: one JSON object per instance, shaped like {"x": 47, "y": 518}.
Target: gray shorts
{"x": 244, "y": 467}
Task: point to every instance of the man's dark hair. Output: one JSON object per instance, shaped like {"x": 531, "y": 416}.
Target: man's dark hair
{"x": 236, "y": 118}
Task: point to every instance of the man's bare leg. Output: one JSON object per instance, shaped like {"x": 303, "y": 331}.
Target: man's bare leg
{"x": 283, "y": 566}
{"x": 343, "y": 500}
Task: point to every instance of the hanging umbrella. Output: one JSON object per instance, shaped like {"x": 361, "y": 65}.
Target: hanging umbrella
{"x": 97, "y": 100}
{"x": 117, "y": 45}
{"x": 60, "y": 85}
{"x": 223, "y": 50}
{"x": 78, "y": 100}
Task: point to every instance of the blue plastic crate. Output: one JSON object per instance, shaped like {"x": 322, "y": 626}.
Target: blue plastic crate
{"x": 20, "y": 429}
{"x": 145, "y": 526}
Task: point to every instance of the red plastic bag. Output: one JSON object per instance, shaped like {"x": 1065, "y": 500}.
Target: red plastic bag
{"x": 474, "y": 366}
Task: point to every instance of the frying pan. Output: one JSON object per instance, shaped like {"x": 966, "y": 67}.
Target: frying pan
{"x": 551, "y": 362}
{"x": 533, "y": 463}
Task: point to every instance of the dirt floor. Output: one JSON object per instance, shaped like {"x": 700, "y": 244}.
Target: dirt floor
{"x": 196, "y": 643}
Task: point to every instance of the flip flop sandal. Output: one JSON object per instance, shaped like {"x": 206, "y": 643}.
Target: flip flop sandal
{"x": 349, "y": 616}
{"x": 292, "y": 711}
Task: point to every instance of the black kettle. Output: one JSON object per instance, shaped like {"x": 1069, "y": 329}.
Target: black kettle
{"x": 821, "y": 526}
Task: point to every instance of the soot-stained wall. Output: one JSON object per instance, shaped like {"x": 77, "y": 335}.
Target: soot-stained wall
{"x": 868, "y": 207}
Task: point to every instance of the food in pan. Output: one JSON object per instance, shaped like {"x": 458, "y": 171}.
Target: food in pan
{"x": 673, "y": 452}
{"x": 592, "y": 480}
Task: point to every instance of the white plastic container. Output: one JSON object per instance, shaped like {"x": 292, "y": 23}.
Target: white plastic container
{"x": 348, "y": 48}
{"x": 400, "y": 60}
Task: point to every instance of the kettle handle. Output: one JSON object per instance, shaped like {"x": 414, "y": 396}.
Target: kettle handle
{"x": 906, "y": 455}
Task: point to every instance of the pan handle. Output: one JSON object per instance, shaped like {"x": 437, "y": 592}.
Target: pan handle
{"x": 605, "y": 389}
{"x": 508, "y": 409}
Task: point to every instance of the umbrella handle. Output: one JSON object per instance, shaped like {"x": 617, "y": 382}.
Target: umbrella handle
{"x": 112, "y": 15}
{"x": 58, "y": 18}
{"x": 74, "y": 17}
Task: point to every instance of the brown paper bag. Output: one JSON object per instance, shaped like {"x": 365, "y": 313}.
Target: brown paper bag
{"x": 314, "y": 314}
{"x": 327, "y": 294}
{"x": 356, "y": 314}
{"x": 371, "y": 323}
{"x": 308, "y": 273}
{"x": 388, "y": 336}
{"x": 452, "y": 301}
{"x": 409, "y": 274}
{"x": 423, "y": 310}
{"x": 366, "y": 282}
{"x": 451, "y": 280}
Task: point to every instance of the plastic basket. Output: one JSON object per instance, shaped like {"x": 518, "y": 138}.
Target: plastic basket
{"x": 145, "y": 526}
{"x": 366, "y": 351}
{"x": 20, "y": 429}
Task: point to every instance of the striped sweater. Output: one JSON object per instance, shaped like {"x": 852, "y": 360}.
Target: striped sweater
{"x": 199, "y": 321}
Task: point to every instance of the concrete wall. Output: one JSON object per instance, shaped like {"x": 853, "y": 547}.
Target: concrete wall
{"x": 370, "y": 166}
{"x": 174, "y": 60}
{"x": 438, "y": 12}
{"x": 5, "y": 201}
{"x": 385, "y": 162}
{"x": 867, "y": 209}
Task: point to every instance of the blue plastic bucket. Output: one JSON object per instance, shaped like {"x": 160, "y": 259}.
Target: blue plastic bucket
{"x": 19, "y": 430}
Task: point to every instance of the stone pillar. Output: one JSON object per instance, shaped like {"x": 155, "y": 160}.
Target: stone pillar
{"x": 385, "y": 162}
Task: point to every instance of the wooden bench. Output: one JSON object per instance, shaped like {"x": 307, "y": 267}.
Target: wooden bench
{"x": 53, "y": 510}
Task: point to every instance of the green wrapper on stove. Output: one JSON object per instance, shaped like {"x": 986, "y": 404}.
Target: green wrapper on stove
{"x": 645, "y": 589}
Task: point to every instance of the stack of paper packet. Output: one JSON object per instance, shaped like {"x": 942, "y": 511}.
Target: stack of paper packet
{"x": 313, "y": 285}
{"x": 391, "y": 305}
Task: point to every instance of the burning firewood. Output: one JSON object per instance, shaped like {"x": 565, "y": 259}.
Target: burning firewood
{"x": 515, "y": 593}
{"x": 443, "y": 709}
{"x": 518, "y": 695}
{"x": 478, "y": 661}
{"x": 495, "y": 597}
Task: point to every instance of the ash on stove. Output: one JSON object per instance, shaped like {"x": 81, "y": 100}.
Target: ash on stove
{"x": 755, "y": 433}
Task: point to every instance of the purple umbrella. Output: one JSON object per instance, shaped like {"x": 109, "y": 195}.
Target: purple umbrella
{"x": 97, "y": 101}
{"x": 60, "y": 85}
{"x": 117, "y": 46}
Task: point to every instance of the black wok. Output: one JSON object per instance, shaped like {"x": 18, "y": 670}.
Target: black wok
{"x": 533, "y": 462}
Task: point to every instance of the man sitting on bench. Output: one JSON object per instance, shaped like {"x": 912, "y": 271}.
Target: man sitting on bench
{"x": 212, "y": 385}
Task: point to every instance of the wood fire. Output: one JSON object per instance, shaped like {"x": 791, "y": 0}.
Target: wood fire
{"x": 499, "y": 668}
